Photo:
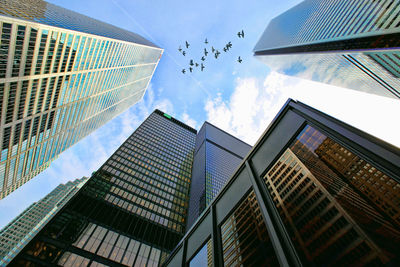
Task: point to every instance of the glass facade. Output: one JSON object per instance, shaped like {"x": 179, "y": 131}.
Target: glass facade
{"x": 217, "y": 156}
{"x": 245, "y": 240}
{"x": 23, "y": 228}
{"x": 132, "y": 211}
{"x": 338, "y": 208}
{"x": 203, "y": 257}
{"x": 312, "y": 192}
{"x": 353, "y": 44}
{"x": 62, "y": 75}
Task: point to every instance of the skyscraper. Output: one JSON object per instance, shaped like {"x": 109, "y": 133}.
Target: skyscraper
{"x": 313, "y": 191}
{"x": 20, "y": 231}
{"x": 217, "y": 155}
{"x": 350, "y": 43}
{"x": 62, "y": 75}
{"x": 132, "y": 211}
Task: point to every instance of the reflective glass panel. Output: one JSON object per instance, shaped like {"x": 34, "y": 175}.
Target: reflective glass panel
{"x": 245, "y": 240}
{"x": 338, "y": 208}
{"x": 203, "y": 257}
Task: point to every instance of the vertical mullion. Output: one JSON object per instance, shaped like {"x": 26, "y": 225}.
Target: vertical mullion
{"x": 184, "y": 251}
{"x": 216, "y": 239}
{"x": 284, "y": 249}
{"x": 11, "y": 49}
{"x": 24, "y": 51}
{"x": 46, "y": 51}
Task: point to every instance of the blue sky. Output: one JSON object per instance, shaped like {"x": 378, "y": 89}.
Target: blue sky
{"x": 240, "y": 98}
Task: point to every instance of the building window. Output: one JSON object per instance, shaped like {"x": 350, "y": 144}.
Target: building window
{"x": 245, "y": 240}
{"x": 334, "y": 216}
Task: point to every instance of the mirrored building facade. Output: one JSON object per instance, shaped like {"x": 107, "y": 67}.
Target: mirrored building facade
{"x": 216, "y": 157}
{"x": 15, "y": 235}
{"x": 62, "y": 75}
{"x": 313, "y": 191}
{"x": 351, "y": 43}
{"x": 132, "y": 211}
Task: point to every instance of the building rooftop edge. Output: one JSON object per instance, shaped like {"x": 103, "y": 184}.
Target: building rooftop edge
{"x": 178, "y": 122}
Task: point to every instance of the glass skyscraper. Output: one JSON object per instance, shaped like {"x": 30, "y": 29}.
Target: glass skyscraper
{"x": 313, "y": 191}
{"x": 217, "y": 155}
{"x": 62, "y": 75}
{"x": 132, "y": 211}
{"x": 349, "y": 43}
{"x": 24, "y": 227}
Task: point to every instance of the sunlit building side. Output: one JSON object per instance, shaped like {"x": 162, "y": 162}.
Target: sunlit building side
{"x": 62, "y": 76}
{"x": 351, "y": 43}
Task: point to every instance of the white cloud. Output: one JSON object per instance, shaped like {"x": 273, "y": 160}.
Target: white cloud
{"x": 255, "y": 102}
{"x": 251, "y": 107}
{"x": 189, "y": 121}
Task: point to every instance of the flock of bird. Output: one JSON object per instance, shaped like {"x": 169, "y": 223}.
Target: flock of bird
{"x": 193, "y": 64}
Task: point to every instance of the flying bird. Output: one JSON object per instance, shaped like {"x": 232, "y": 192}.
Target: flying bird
{"x": 190, "y": 69}
{"x": 206, "y": 42}
{"x": 202, "y": 67}
{"x": 229, "y": 45}
{"x": 196, "y": 64}
{"x": 180, "y": 49}
{"x": 241, "y": 34}
{"x": 203, "y": 58}
{"x": 217, "y": 54}
{"x": 239, "y": 60}
{"x": 205, "y": 52}
{"x": 212, "y": 49}
{"x": 183, "y": 71}
{"x": 191, "y": 62}
{"x": 225, "y": 49}
{"x": 183, "y": 53}
{"x": 187, "y": 44}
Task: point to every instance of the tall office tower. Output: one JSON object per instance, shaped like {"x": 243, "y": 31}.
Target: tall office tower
{"x": 217, "y": 155}
{"x": 23, "y": 228}
{"x": 132, "y": 211}
{"x": 62, "y": 75}
{"x": 349, "y": 43}
{"x": 313, "y": 191}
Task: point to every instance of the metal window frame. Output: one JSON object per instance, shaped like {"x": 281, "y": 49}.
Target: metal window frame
{"x": 285, "y": 127}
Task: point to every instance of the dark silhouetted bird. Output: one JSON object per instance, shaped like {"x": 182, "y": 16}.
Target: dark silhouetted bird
{"x": 205, "y": 52}
{"x": 206, "y": 42}
{"x": 225, "y": 49}
{"x": 187, "y": 44}
{"x": 229, "y": 45}
{"x": 183, "y": 53}
{"x": 196, "y": 64}
{"x": 217, "y": 53}
{"x": 239, "y": 60}
{"x": 191, "y": 62}
{"x": 202, "y": 67}
{"x": 183, "y": 71}
{"x": 203, "y": 58}
{"x": 240, "y": 34}
{"x": 180, "y": 49}
{"x": 190, "y": 69}
{"x": 212, "y": 49}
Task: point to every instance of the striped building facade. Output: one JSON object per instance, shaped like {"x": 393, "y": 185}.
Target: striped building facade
{"x": 62, "y": 75}
{"x": 353, "y": 44}
{"x": 15, "y": 235}
{"x": 132, "y": 211}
